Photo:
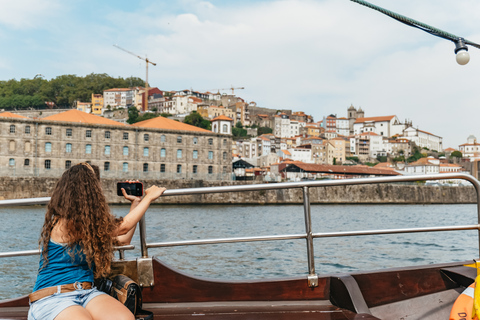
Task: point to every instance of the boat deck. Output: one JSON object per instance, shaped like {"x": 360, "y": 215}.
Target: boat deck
{"x": 426, "y": 292}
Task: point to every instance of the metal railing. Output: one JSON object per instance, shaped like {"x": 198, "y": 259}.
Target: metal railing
{"x": 309, "y": 236}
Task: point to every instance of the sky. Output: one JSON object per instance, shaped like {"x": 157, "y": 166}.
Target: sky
{"x": 319, "y": 56}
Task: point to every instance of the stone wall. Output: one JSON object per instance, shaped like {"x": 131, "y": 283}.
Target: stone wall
{"x": 16, "y": 188}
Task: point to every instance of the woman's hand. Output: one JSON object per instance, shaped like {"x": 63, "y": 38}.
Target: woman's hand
{"x": 154, "y": 192}
{"x": 130, "y": 197}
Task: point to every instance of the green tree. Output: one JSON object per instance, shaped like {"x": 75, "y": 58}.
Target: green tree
{"x": 239, "y": 125}
{"x": 264, "y": 130}
{"x": 456, "y": 154}
{"x": 146, "y": 116}
{"x": 132, "y": 115}
{"x": 195, "y": 119}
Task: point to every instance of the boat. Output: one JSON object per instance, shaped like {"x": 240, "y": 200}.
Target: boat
{"x": 418, "y": 292}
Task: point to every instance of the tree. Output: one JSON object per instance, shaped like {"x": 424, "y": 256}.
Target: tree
{"x": 264, "y": 130}
{"x": 195, "y": 119}
{"x": 132, "y": 115}
{"x": 239, "y": 125}
{"x": 456, "y": 154}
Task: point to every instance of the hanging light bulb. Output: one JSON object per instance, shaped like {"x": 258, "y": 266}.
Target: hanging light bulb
{"x": 461, "y": 50}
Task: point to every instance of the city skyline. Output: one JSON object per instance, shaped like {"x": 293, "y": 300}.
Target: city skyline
{"x": 313, "y": 56}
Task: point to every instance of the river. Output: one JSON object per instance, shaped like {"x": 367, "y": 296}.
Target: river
{"x": 20, "y": 229}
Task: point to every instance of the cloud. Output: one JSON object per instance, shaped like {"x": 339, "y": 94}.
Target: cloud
{"x": 29, "y": 14}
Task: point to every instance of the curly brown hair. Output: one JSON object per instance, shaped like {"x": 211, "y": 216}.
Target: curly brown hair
{"x": 79, "y": 201}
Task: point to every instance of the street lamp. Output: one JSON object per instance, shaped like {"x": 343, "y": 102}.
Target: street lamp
{"x": 461, "y": 49}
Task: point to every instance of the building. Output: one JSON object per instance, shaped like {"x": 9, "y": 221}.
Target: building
{"x": 97, "y": 104}
{"x": 118, "y": 98}
{"x": 423, "y": 139}
{"x": 471, "y": 149}
{"x": 158, "y": 148}
{"x": 222, "y": 124}
{"x": 386, "y": 126}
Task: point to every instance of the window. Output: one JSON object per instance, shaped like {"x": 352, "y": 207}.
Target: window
{"x": 163, "y": 153}
{"x": 88, "y": 149}
{"x": 179, "y": 168}
{"x": 224, "y": 169}
{"x": 210, "y": 141}
{"x": 125, "y": 136}
{"x": 68, "y": 147}
{"x": 224, "y": 156}
{"x": 125, "y": 151}
{"x": 194, "y": 168}
{"x": 107, "y": 134}
{"x": 107, "y": 150}
{"x": 11, "y": 162}
{"x": 27, "y": 129}
{"x": 26, "y": 162}
{"x": 48, "y": 132}
{"x": 195, "y": 140}
{"x": 224, "y": 142}
{"x": 125, "y": 167}
{"x": 106, "y": 166}
{"x": 162, "y": 167}
{"x": 68, "y": 132}
{"x": 146, "y": 151}
{"x": 179, "y": 153}
{"x": 48, "y": 164}
{"x": 48, "y": 147}
{"x": 12, "y": 128}
{"x": 210, "y": 169}
{"x": 68, "y": 164}
{"x": 179, "y": 139}
{"x": 145, "y": 167}
{"x": 88, "y": 134}
{"x": 195, "y": 154}
{"x": 210, "y": 155}
{"x": 163, "y": 138}
{"x": 146, "y": 137}
{"x": 225, "y": 128}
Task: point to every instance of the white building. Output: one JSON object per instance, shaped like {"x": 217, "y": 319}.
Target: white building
{"x": 222, "y": 124}
{"x": 471, "y": 149}
{"x": 118, "y": 98}
{"x": 343, "y": 126}
{"x": 423, "y": 139}
{"x": 387, "y": 126}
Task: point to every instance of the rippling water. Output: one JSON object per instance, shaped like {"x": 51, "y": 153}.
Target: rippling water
{"x": 20, "y": 229}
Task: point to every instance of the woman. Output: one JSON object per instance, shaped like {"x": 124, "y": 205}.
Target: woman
{"x": 77, "y": 241}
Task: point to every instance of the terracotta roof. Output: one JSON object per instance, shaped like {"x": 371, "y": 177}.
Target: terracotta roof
{"x": 169, "y": 124}
{"x": 286, "y": 152}
{"x": 469, "y": 144}
{"x": 82, "y": 117}
{"x": 222, "y": 117}
{"x": 118, "y": 89}
{"x": 7, "y": 114}
{"x": 334, "y": 169}
{"x": 374, "y": 119}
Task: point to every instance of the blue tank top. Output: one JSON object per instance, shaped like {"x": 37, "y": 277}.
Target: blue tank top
{"x": 61, "y": 268}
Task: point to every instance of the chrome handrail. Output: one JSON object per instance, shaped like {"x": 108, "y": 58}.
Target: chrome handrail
{"x": 308, "y": 235}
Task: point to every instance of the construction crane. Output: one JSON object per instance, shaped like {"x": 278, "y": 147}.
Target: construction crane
{"x": 144, "y": 104}
{"x": 231, "y": 88}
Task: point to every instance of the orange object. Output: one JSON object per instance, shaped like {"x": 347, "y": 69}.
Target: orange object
{"x": 463, "y": 306}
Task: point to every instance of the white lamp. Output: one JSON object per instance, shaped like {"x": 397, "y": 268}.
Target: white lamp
{"x": 461, "y": 50}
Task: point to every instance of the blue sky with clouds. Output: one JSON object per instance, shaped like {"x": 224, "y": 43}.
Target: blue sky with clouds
{"x": 315, "y": 56}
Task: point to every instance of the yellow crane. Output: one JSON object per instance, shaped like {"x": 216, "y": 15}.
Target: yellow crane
{"x": 144, "y": 103}
{"x": 231, "y": 88}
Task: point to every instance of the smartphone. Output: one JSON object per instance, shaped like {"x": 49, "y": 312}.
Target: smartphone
{"x": 131, "y": 188}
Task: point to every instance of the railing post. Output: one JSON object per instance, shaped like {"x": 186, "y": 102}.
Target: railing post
{"x": 312, "y": 276}
{"x": 143, "y": 237}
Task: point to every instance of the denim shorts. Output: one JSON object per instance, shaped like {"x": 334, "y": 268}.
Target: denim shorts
{"x": 49, "y": 307}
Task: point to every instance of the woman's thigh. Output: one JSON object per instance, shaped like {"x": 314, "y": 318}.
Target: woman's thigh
{"x": 74, "y": 312}
{"x": 104, "y": 307}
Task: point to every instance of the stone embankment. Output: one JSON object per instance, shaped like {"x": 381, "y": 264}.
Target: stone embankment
{"x": 16, "y": 188}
